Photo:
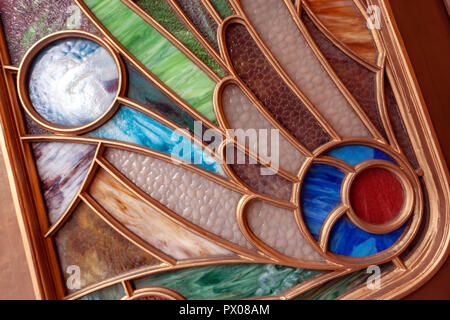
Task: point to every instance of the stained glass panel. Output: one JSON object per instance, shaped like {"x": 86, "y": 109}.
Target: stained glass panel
{"x": 218, "y": 149}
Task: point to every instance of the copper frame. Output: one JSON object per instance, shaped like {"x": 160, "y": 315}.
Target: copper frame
{"x": 392, "y": 58}
{"x": 23, "y": 88}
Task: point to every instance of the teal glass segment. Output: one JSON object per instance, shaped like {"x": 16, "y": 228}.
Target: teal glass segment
{"x": 129, "y": 125}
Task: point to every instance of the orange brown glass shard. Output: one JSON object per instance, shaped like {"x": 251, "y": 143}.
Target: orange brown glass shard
{"x": 360, "y": 81}
{"x": 86, "y": 241}
{"x": 256, "y": 72}
{"x": 343, "y": 19}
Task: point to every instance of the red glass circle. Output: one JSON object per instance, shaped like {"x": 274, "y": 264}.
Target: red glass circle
{"x": 376, "y": 195}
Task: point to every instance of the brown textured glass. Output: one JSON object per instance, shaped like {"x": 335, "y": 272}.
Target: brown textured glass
{"x": 98, "y": 250}
{"x": 249, "y": 171}
{"x": 253, "y": 68}
{"x": 360, "y": 81}
{"x": 397, "y": 124}
{"x": 202, "y": 20}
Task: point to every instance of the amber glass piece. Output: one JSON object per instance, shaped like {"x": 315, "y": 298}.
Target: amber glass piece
{"x": 360, "y": 81}
{"x": 397, "y": 124}
{"x": 253, "y": 68}
{"x": 344, "y": 20}
{"x": 258, "y": 176}
{"x": 87, "y": 242}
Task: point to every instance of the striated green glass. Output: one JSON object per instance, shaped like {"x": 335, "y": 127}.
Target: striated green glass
{"x": 202, "y": 20}
{"x": 335, "y": 288}
{"x": 162, "y": 58}
{"x": 164, "y": 14}
{"x": 238, "y": 281}
{"x": 223, "y": 8}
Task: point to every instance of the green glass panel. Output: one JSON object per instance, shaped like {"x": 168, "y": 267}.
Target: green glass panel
{"x": 162, "y": 58}
{"x": 114, "y": 292}
{"x": 238, "y": 281}
{"x": 201, "y": 19}
{"x": 141, "y": 90}
{"x": 335, "y": 288}
{"x": 223, "y": 8}
{"x": 164, "y": 14}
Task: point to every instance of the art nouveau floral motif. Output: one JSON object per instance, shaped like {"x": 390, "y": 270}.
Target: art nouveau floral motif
{"x": 163, "y": 170}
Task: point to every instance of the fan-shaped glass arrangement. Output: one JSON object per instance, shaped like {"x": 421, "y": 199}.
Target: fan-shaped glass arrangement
{"x": 220, "y": 149}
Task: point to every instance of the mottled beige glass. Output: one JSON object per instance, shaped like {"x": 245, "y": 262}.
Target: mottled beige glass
{"x": 242, "y": 114}
{"x": 277, "y": 228}
{"x": 149, "y": 224}
{"x": 195, "y": 198}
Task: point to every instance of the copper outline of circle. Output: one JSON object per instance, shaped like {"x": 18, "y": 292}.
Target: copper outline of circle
{"x": 22, "y": 78}
{"x": 408, "y": 201}
{"x": 407, "y": 236}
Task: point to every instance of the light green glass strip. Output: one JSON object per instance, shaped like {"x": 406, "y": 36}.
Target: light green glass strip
{"x": 164, "y": 14}
{"x": 223, "y": 8}
{"x": 162, "y": 58}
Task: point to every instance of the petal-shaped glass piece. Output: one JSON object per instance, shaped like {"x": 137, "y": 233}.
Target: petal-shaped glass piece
{"x": 277, "y": 228}
{"x": 207, "y": 204}
{"x": 148, "y": 223}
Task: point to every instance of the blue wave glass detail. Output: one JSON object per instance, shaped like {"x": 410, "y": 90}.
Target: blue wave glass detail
{"x": 321, "y": 193}
{"x": 355, "y": 154}
{"x": 348, "y": 240}
{"x": 129, "y": 125}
